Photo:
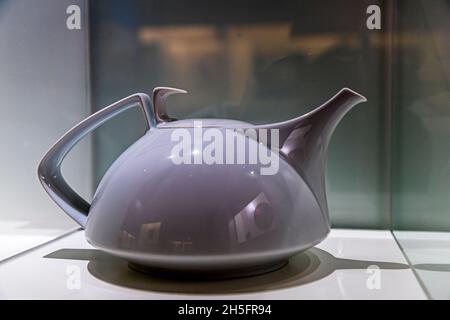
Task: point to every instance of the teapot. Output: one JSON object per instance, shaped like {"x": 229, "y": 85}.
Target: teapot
{"x": 169, "y": 205}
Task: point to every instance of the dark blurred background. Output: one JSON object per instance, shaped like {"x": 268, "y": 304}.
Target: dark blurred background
{"x": 267, "y": 61}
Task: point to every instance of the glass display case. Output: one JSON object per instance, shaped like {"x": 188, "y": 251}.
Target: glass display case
{"x": 44, "y": 88}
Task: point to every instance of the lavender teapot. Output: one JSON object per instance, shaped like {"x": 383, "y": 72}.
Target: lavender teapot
{"x": 184, "y": 199}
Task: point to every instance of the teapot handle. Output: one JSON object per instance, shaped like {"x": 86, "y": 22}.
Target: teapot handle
{"x": 49, "y": 170}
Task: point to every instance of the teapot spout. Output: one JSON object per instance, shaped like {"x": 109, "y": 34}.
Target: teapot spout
{"x": 304, "y": 140}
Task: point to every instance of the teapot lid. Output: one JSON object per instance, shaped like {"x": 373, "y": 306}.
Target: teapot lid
{"x": 164, "y": 121}
{"x": 204, "y": 123}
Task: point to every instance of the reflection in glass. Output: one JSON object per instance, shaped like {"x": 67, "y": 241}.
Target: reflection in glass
{"x": 255, "y": 219}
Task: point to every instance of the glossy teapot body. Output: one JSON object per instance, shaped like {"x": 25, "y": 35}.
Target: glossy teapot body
{"x": 216, "y": 218}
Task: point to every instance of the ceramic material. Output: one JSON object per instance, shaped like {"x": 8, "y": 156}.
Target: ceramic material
{"x": 206, "y": 219}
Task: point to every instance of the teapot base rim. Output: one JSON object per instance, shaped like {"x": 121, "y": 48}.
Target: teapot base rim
{"x": 214, "y": 274}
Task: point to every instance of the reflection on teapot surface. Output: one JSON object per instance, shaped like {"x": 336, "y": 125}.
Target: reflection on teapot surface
{"x": 166, "y": 215}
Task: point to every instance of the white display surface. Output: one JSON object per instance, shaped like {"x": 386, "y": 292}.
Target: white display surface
{"x": 429, "y": 254}
{"x": 69, "y": 268}
{"x": 16, "y": 237}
